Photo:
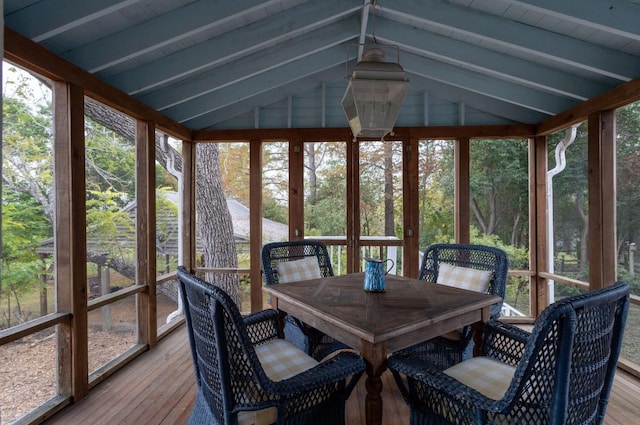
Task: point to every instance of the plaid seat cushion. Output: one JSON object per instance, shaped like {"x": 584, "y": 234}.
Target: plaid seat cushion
{"x": 455, "y": 335}
{"x": 464, "y": 277}
{"x": 488, "y": 376}
{"x": 259, "y": 417}
{"x": 280, "y": 360}
{"x": 303, "y": 269}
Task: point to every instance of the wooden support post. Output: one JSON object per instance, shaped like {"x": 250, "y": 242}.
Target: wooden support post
{"x": 71, "y": 246}
{"x": 296, "y": 189}
{"x": 188, "y": 205}
{"x": 255, "y": 222}
{"x": 538, "y": 225}
{"x": 353, "y": 210}
{"x": 146, "y": 232}
{"x": 602, "y": 201}
{"x": 410, "y": 196}
{"x": 462, "y": 208}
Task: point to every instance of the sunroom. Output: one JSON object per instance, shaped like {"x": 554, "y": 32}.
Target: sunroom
{"x": 143, "y": 135}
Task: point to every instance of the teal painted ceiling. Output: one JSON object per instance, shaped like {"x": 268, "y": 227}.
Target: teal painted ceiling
{"x": 284, "y": 63}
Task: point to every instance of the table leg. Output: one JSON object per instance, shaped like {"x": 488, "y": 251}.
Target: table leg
{"x": 281, "y": 316}
{"x": 478, "y": 332}
{"x": 375, "y": 355}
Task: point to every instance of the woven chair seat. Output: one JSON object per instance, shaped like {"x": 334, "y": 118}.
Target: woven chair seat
{"x": 293, "y": 261}
{"x": 560, "y": 373}
{"x": 246, "y": 375}
{"x": 473, "y": 267}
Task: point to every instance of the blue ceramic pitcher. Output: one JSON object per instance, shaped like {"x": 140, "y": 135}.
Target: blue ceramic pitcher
{"x": 374, "y": 273}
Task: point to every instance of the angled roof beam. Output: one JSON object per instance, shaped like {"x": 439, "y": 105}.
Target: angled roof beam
{"x": 249, "y": 39}
{"x": 612, "y": 16}
{"x": 258, "y": 83}
{"x": 515, "y": 94}
{"x": 269, "y": 97}
{"x": 249, "y": 66}
{"x": 48, "y": 18}
{"x": 510, "y": 34}
{"x": 145, "y": 37}
{"x": 501, "y": 110}
{"x": 479, "y": 102}
{"x": 490, "y": 62}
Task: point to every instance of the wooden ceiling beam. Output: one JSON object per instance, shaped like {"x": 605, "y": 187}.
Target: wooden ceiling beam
{"x": 342, "y": 134}
{"x": 620, "y": 96}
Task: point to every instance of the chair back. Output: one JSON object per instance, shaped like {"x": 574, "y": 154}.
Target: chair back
{"x": 226, "y": 366}
{"x": 276, "y": 252}
{"x": 570, "y": 359}
{"x": 479, "y": 257}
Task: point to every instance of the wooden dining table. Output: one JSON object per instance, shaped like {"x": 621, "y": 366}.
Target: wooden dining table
{"x": 377, "y": 324}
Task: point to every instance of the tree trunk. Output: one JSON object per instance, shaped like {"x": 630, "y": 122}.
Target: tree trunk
{"x": 389, "y": 216}
{"x": 584, "y": 242}
{"x": 489, "y": 226}
{"x": 125, "y": 127}
{"x": 493, "y": 211}
{"x": 312, "y": 166}
{"x": 43, "y": 289}
{"x": 514, "y": 231}
{"x": 215, "y": 226}
{"x": 479, "y": 216}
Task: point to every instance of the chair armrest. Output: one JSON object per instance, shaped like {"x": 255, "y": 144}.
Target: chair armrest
{"x": 504, "y": 342}
{"x": 328, "y": 372}
{"x": 262, "y": 326}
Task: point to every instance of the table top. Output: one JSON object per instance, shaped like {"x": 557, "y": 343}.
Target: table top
{"x": 409, "y": 310}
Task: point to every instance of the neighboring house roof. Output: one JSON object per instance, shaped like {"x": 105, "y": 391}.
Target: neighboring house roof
{"x": 272, "y": 231}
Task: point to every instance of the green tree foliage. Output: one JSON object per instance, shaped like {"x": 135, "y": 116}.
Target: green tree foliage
{"x": 27, "y": 151}
{"x": 275, "y": 181}
{"x": 110, "y": 162}
{"x": 325, "y": 189}
{"x": 24, "y": 226}
{"x": 234, "y": 169}
{"x": 28, "y": 187}
{"x": 327, "y": 215}
{"x": 570, "y": 195}
{"x": 628, "y": 191}
{"x": 435, "y": 191}
{"x": 380, "y": 188}
{"x": 499, "y": 189}
{"x": 107, "y": 222}
{"x": 166, "y": 221}
{"x": 628, "y": 173}
{"x": 27, "y": 175}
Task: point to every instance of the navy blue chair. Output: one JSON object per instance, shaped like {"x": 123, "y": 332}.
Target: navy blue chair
{"x": 560, "y": 373}
{"x": 457, "y": 346}
{"x": 307, "y": 338}
{"x": 246, "y": 375}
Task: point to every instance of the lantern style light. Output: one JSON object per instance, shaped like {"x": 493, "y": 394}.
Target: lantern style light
{"x": 374, "y": 94}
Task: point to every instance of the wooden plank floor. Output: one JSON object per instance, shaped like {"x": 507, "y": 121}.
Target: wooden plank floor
{"x": 158, "y": 389}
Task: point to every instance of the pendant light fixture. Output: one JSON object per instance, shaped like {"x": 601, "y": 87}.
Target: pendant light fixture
{"x": 374, "y": 93}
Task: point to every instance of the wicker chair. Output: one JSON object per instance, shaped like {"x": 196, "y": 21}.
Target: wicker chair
{"x": 239, "y": 366}
{"x": 307, "y": 338}
{"x": 448, "y": 350}
{"x": 560, "y": 373}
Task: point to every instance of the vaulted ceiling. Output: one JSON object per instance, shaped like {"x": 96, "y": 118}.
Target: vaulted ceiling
{"x": 218, "y": 64}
